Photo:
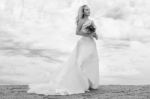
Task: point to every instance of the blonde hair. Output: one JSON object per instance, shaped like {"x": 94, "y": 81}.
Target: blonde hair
{"x": 80, "y": 14}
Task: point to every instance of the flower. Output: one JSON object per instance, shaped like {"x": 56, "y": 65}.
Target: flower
{"x": 90, "y": 28}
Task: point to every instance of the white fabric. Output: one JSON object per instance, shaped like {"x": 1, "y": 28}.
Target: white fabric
{"x": 79, "y": 73}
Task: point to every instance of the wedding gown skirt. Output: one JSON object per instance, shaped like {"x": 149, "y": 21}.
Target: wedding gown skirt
{"x": 80, "y": 72}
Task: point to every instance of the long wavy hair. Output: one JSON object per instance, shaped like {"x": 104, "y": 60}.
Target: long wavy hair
{"x": 80, "y": 14}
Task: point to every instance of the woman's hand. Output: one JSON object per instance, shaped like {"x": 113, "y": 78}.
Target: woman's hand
{"x": 94, "y": 35}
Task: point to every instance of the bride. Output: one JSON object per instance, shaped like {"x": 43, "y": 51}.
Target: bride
{"x": 81, "y": 71}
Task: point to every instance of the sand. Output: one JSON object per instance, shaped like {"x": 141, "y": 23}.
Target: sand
{"x": 104, "y": 92}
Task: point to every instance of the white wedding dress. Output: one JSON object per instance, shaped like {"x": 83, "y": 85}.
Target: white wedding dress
{"x": 80, "y": 72}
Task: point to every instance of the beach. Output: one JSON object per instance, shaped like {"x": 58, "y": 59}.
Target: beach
{"x": 104, "y": 92}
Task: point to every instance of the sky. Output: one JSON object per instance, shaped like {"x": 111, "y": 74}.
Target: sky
{"x": 41, "y": 33}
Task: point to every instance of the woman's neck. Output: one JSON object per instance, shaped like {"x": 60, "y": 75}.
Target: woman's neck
{"x": 86, "y": 18}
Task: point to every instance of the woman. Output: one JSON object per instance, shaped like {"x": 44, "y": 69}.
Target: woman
{"x": 81, "y": 71}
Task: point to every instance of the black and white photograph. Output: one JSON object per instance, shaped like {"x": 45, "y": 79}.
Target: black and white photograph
{"x": 74, "y": 49}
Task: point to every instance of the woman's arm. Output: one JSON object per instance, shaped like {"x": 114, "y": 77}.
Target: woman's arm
{"x": 80, "y": 32}
{"x": 94, "y": 34}
{"x": 93, "y": 24}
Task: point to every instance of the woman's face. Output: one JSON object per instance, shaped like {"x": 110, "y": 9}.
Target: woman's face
{"x": 86, "y": 11}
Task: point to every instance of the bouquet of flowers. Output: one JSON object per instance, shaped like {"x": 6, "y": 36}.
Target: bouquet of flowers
{"x": 90, "y": 28}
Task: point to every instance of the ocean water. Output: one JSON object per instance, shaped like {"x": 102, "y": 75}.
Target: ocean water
{"x": 124, "y": 62}
{"x": 121, "y": 62}
{"x": 36, "y": 37}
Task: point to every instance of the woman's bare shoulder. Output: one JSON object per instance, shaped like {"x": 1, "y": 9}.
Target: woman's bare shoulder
{"x": 80, "y": 24}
